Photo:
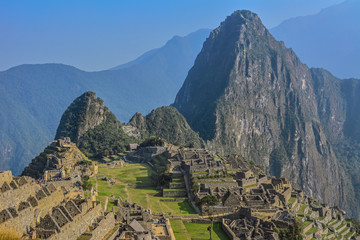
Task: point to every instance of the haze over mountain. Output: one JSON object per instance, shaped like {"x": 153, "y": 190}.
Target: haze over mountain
{"x": 329, "y": 39}
{"x": 249, "y": 94}
{"x": 33, "y": 97}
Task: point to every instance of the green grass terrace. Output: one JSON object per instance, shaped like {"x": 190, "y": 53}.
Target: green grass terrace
{"x": 196, "y": 231}
{"x": 133, "y": 182}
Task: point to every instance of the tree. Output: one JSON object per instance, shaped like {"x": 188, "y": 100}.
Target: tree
{"x": 293, "y": 232}
{"x": 208, "y": 200}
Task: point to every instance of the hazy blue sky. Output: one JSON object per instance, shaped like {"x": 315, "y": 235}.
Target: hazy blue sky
{"x": 96, "y": 35}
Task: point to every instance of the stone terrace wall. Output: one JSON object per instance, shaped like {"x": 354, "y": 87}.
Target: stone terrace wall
{"x": 21, "y": 222}
{"x": 105, "y": 225}
{"x": 24, "y": 213}
{"x": 180, "y": 193}
{"x": 79, "y": 223}
{"x": 5, "y": 176}
{"x": 13, "y": 196}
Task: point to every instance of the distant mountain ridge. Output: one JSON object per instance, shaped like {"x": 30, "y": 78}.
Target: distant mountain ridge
{"x": 33, "y": 97}
{"x": 249, "y": 94}
{"x": 189, "y": 44}
{"x": 329, "y": 39}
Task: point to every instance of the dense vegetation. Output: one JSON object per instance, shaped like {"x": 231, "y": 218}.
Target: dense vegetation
{"x": 208, "y": 200}
{"x": 293, "y": 232}
{"x": 104, "y": 140}
{"x": 153, "y": 141}
{"x": 169, "y": 124}
{"x": 86, "y": 184}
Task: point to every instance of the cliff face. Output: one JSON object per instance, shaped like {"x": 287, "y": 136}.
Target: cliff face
{"x": 248, "y": 94}
{"x": 167, "y": 123}
{"x": 93, "y": 127}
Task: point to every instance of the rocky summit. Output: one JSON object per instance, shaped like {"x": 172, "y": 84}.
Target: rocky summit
{"x": 249, "y": 94}
{"x": 93, "y": 127}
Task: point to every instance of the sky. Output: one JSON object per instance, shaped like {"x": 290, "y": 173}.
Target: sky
{"x": 96, "y": 35}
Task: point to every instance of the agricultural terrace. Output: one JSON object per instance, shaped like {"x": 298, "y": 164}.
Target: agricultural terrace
{"x": 133, "y": 182}
{"x": 196, "y": 231}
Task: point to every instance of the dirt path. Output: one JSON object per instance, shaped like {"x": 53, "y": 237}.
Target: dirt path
{"x": 148, "y": 201}
{"x": 127, "y": 194}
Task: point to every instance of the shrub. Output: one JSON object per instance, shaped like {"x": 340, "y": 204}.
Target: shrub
{"x": 153, "y": 141}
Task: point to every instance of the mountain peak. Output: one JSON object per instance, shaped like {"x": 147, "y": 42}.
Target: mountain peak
{"x": 83, "y": 114}
{"x": 249, "y": 94}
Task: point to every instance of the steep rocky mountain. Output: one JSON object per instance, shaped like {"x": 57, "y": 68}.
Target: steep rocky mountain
{"x": 167, "y": 123}
{"x": 33, "y": 97}
{"x": 84, "y": 113}
{"x": 328, "y": 39}
{"x": 91, "y": 125}
{"x": 249, "y": 94}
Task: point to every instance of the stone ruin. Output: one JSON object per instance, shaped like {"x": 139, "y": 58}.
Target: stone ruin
{"x": 46, "y": 211}
{"x": 138, "y": 223}
{"x": 74, "y": 218}
{"x": 251, "y": 204}
{"x": 57, "y": 160}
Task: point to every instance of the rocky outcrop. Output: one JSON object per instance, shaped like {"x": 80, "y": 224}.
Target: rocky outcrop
{"x": 167, "y": 123}
{"x": 93, "y": 127}
{"x": 248, "y": 94}
{"x": 84, "y": 113}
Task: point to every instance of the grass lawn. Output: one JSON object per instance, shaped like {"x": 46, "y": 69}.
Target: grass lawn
{"x": 84, "y": 237}
{"x": 311, "y": 230}
{"x": 178, "y": 208}
{"x": 178, "y": 179}
{"x": 138, "y": 176}
{"x": 174, "y": 189}
{"x": 179, "y": 229}
{"x": 292, "y": 200}
{"x": 307, "y": 223}
{"x": 198, "y": 231}
{"x": 302, "y": 209}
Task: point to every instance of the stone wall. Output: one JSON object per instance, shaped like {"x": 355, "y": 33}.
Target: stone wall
{"x": 71, "y": 226}
{"x": 216, "y": 210}
{"x": 213, "y": 180}
{"x": 24, "y": 202}
{"x": 227, "y": 230}
{"x": 5, "y": 176}
{"x": 177, "y": 185}
{"x": 104, "y": 226}
{"x": 13, "y": 196}
{"x": 287, "y": 194}
{"x": 247, "y": 182}
{"x": 180, "y": 193}
{"x": 21, "y": 222}
{"x": 218, "y": 184}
